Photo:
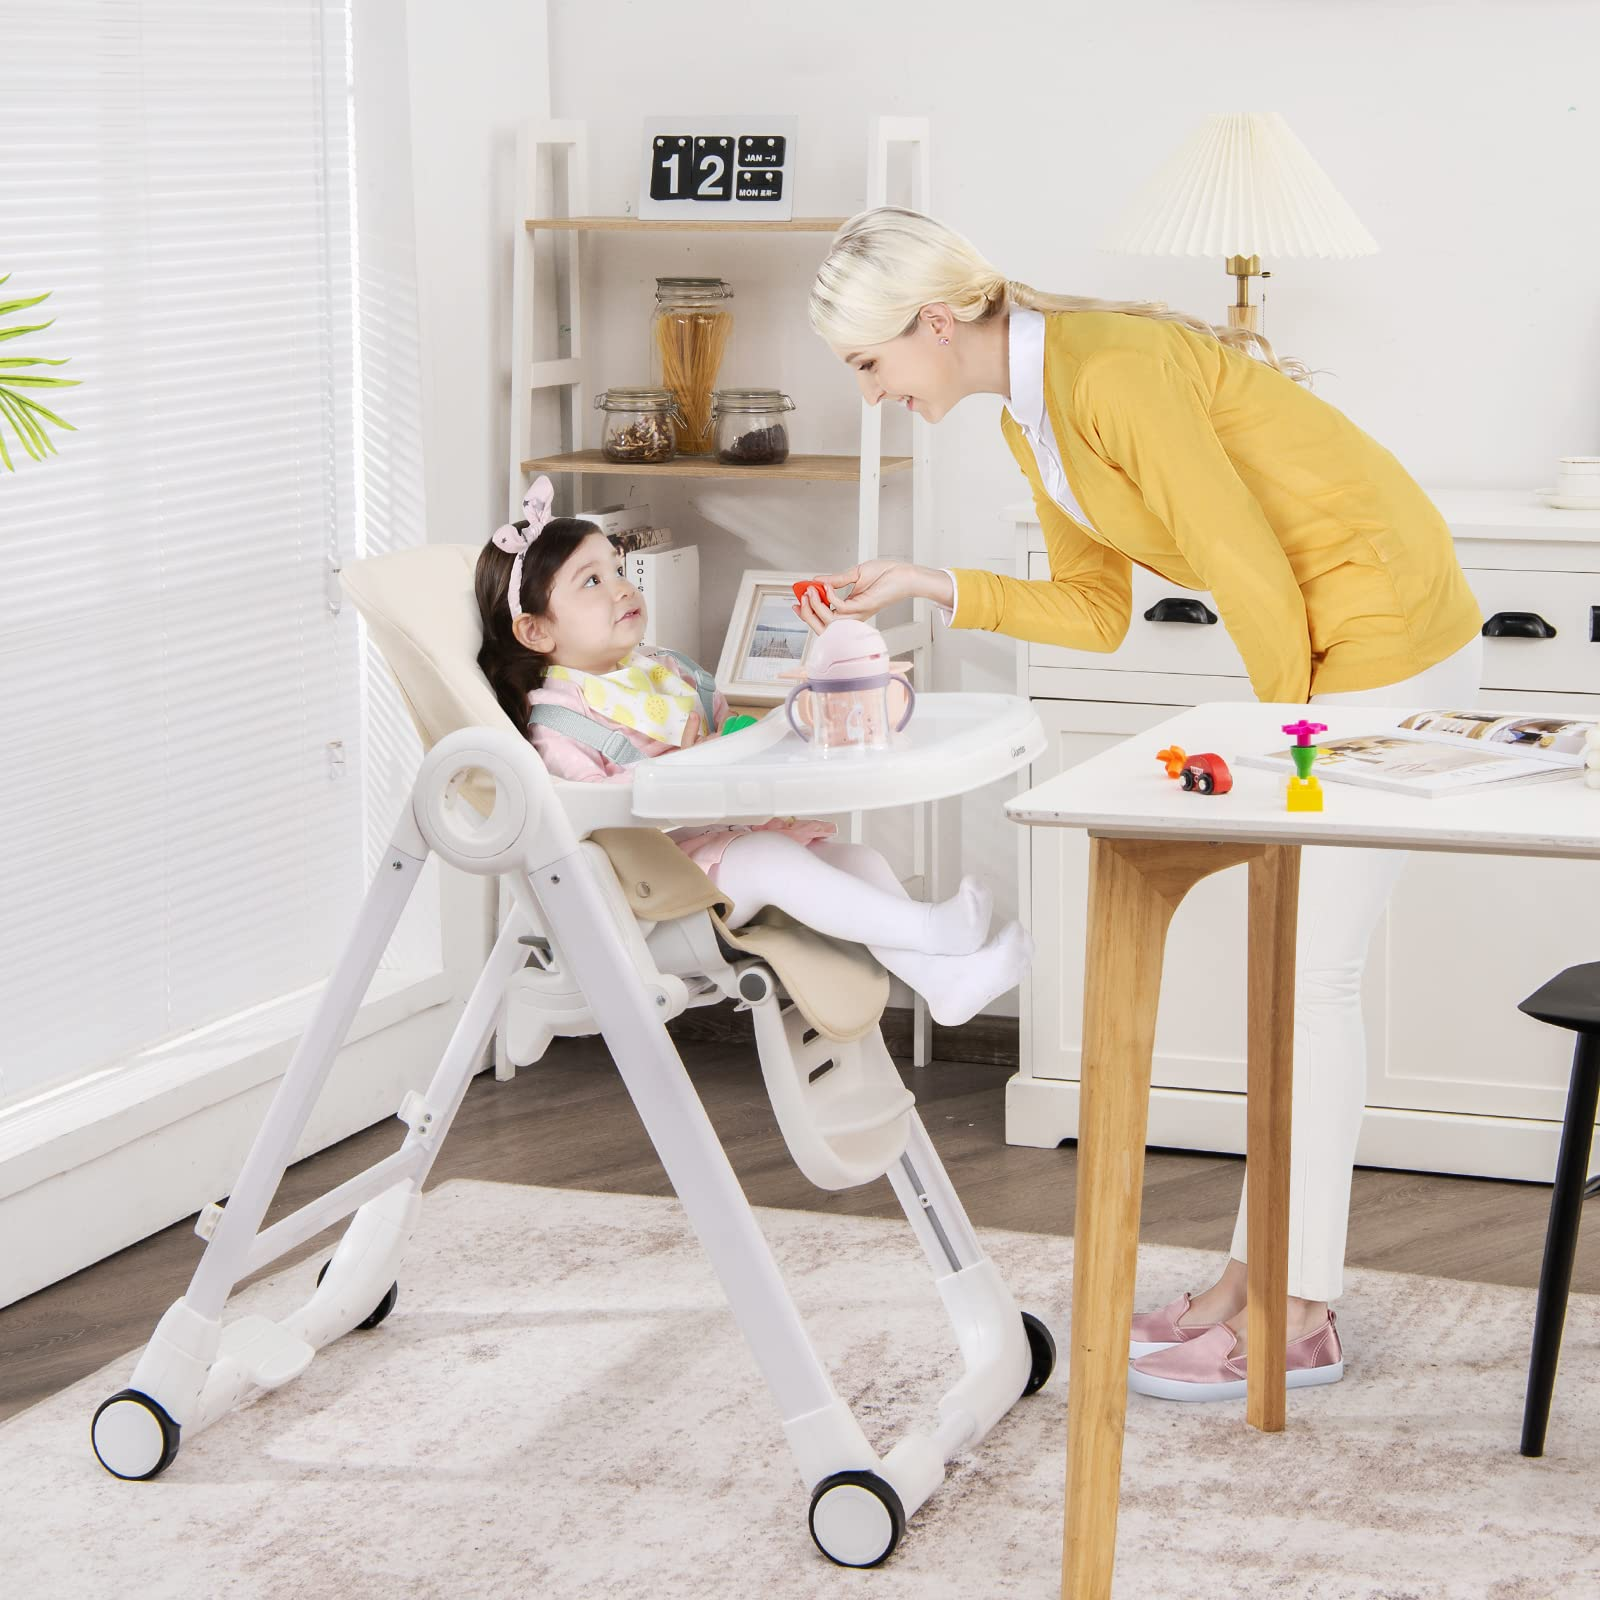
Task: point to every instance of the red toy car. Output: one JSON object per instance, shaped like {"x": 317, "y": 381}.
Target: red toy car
{"x": 1206, "y": 773}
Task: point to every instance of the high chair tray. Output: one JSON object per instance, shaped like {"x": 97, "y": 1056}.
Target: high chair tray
{"x": 954, "y": 743}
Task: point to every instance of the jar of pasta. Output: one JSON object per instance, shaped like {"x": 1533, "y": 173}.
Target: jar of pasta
{"x": 689, "y": 335}
{"x": 752, "y": 426}
{"x": 639, "y": 425}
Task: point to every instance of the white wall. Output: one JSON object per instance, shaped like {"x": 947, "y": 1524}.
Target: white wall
{"x": 1464, "y": 135}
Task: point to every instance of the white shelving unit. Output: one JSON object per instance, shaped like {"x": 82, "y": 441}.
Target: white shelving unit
{"x": 552, "y": 197}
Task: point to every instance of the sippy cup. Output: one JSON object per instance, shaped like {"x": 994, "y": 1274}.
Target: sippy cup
{"x": 851, "y": 694}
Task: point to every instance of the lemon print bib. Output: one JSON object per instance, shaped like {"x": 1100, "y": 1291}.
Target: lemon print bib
{"x": 643, "y": 695}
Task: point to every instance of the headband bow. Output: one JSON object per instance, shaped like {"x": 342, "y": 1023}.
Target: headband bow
{"x": 516, "y": 537}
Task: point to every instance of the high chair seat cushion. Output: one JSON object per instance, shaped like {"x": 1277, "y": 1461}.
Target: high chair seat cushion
{"x": 838, "y": 987}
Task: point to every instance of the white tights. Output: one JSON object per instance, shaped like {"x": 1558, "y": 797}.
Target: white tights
{"x": 849, "y": 891}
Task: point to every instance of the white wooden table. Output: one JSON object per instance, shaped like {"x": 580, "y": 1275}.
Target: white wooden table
{"x": 1151, "y": 842}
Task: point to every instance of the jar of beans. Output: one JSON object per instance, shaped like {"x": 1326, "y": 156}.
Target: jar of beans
{"x": 751, "y": 426}
{"x": 639, "y": 425}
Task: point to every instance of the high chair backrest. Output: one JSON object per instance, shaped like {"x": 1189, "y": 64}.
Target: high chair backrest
{"x": 420, "y": 607}
{"x": 423, "y": 615}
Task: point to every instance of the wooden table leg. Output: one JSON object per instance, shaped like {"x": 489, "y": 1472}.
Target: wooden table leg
{"x": 1274, "y": 896}
{"x": 1134, "y": 888}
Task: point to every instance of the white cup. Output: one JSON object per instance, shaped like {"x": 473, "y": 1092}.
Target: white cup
{"x": 1578, "y": 477}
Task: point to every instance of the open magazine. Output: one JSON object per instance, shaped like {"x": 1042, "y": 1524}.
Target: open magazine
{"x": 1446, "y": 752}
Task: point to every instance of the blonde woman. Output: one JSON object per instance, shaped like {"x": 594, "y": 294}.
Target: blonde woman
{"x": 1151, "y": 437}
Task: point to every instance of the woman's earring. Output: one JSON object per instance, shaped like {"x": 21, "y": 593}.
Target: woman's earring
{"x": 944, "y": 341}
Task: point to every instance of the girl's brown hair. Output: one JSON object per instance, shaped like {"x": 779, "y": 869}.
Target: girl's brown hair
{"x": 513, "y": 670}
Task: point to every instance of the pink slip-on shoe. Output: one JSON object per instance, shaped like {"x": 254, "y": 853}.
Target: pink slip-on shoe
{"x": 1159, "y": 1330}
{"x": 1207, "y": 1368}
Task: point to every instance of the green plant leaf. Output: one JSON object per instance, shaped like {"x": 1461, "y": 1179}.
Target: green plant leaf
{"x": 44, "y": 411}
{"x": 5, "y": 455}
{"x": 25, "y": 427}
{"x": 8, "y": 306}
{"x": 33, "y": 361}
{"x": 32, "y": 327}
{"x": 17, "y": 381}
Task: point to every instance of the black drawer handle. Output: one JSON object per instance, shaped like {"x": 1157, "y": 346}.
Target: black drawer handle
{"x": 1170, "y": 610}
{"x": 1517, "y": 625}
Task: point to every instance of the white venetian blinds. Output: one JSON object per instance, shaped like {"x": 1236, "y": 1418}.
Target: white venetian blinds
{"x": 180, "y": 708}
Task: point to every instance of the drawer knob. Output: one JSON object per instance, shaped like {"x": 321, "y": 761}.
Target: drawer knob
{"x": 1517, "y": 625}
{"x": 1173, "y": 610}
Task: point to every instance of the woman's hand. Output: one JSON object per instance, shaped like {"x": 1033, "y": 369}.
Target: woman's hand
{"x": 875, "y": 586}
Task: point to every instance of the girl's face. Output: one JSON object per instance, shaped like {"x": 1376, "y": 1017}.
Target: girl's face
{"x": 595, "y": 616}
{"x": 915, "y": 370}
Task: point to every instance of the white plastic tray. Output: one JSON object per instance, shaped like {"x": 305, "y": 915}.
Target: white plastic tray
{"x": 954, "y": 743}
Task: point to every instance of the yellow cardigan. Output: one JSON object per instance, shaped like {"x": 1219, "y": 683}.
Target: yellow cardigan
{"x": 1331, "y": 569}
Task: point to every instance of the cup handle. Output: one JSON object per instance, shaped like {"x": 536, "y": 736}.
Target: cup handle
{"x": 788, "y": 710}
{"x": 911, "y": 702}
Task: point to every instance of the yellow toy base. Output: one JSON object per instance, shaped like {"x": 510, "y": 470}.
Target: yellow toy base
{"x": 1303, "y": 795}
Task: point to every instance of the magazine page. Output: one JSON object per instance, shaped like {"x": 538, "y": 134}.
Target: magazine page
{"x": 1406, "y": 764}
{"x": 1554, "y": 739}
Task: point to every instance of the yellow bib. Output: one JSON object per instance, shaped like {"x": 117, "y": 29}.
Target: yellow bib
{"x": 642, "y": 694}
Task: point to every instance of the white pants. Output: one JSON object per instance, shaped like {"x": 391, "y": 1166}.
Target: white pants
{"x": 1342, "y": 895}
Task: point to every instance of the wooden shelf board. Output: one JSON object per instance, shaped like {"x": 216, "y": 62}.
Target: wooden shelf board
{"x": 824, "y": 469}
{"x": 682, "y": 225}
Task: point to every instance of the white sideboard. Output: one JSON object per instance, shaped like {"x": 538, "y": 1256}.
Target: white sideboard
{"x": 1458, "y": 1079}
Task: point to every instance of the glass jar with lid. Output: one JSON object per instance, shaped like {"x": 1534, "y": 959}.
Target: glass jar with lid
{"x": 689, "y": 335}
{"x": 639, "y": 426}
{"x": 751, "y": 430}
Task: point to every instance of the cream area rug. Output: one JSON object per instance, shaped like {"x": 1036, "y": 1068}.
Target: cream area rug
{"x": 560, "y": 1407}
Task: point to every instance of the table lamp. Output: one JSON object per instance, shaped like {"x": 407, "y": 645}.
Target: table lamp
{"x": 1242, "y": 187}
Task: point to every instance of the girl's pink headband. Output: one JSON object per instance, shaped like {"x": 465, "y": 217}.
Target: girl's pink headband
{"x": 517, "y": 537}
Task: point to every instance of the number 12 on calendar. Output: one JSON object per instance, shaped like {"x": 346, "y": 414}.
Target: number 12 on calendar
{"x": 719, "y": 168}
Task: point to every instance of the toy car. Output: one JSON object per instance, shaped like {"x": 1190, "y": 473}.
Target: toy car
{"x": 1207, "y": 774}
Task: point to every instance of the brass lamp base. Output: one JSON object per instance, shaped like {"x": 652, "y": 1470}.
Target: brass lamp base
{"x": 1243, "y": 313}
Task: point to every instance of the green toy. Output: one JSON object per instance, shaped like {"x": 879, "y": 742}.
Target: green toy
{"x": 734, "y": 724}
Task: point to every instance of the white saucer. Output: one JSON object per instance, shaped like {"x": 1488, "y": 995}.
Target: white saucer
{"x": 1569, "y": 502}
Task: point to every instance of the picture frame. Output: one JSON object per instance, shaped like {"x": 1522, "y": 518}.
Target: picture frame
{"x": 764, "y": 638}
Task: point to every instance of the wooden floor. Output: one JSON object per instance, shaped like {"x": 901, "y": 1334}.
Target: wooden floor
{"x": 568, "y": 1123}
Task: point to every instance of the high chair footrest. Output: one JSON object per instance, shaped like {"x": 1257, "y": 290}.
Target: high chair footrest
{"x": 268, "y": 1352}
{"x": 863, "y": 1112}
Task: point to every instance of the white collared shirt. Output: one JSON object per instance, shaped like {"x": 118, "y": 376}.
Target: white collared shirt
{"x": 1027, "y": 409}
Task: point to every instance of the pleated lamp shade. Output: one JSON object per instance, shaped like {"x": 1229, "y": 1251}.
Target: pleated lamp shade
{"x": 1242, "y": 186}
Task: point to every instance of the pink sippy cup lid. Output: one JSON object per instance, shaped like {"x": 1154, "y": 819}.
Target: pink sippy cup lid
{"x": 847, "y": 648}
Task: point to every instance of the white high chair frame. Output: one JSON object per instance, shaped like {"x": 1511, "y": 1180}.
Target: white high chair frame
{"x": 849, "y": 1124}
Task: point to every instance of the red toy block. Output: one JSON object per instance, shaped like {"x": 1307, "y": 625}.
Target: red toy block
{"x": 811, "y": 583}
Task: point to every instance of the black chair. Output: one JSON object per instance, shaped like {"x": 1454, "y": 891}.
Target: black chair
{"x": 1571, "y": 1000}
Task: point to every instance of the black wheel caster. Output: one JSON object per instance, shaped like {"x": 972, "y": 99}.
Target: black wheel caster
{"x": 385, "y": 1305}
{"x": 133, "y": 1436}
{"x": 856, "y": 1519}
{"x": 1043, "y": 1345}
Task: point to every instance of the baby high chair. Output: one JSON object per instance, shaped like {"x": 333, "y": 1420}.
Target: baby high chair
{"x": 614, "y": 931}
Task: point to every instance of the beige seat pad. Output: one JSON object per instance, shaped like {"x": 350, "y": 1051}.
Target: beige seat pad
{"x": 839, "y": 987}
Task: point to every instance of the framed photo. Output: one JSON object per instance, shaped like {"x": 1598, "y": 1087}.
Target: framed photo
{"x": 764, "y": 639}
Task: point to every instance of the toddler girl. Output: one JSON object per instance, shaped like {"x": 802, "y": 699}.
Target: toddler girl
{"x": 562, "y": 632}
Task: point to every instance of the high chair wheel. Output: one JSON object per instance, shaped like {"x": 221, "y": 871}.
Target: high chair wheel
{"x": 1043, "y": 1345}
{"x": 385, "y": 1305}
{"x": 133, "y": 1436}
{"x": 856, "y": 1519}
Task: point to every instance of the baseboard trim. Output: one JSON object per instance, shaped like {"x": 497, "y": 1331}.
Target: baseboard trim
{"x": 984, "y": 1041}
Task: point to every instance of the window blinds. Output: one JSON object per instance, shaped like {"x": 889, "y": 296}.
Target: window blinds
{"x": 182, "y": 815}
